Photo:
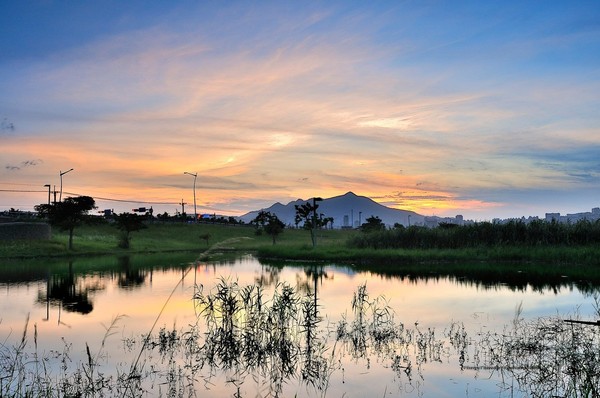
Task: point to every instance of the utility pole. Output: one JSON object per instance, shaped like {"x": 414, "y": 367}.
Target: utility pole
{"x": 183, "y": 209}
{"x": 48, "y": 185}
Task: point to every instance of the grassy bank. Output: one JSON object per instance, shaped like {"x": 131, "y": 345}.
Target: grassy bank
{"x": 103, "y": 239}
{"x": 292, "y": 244}
{"x": 557, "y": 255}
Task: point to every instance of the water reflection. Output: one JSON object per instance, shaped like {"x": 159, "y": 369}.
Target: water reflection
{"x": 269, "y": 329}
{"x": 131, "y": 277}
{"x": 71, "y": 284}
{"x": 281, "y": 338}
{"x": 135, "y": 271}
{"x": 65, "y": 292}
{"x": 275, "y": 341}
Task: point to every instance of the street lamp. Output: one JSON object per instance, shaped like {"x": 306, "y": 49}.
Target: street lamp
{"x": 62, "y": 173}
{"x": 195, "y": 175}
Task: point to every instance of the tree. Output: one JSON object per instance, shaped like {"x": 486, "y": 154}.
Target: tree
{"x": 260, "y": 221}
{"x": 328, "y": 222}
{"x": 373, "y": 224}
{"x": 304, "y": 214}
{"x": 269, "y": 223}
{"x": 307, "y": 213}
{"x": 128, "y": 223}
{"x": 68, "y": 214}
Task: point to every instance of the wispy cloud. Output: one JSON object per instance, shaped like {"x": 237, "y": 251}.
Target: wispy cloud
{"x": 286, "y": 101}
{"x": 24, "y": 164}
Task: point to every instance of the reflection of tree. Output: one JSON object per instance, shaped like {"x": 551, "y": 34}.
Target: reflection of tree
{"x": 269, "y": 276}
{"x": 129, "y": 277}
{"x": 309, "y": 284}
{"x": 63, "y": 290}
{"x": 491, "y": 276}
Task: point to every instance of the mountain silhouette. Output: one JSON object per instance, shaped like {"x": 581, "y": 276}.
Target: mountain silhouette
{"x": 347, "y": 210}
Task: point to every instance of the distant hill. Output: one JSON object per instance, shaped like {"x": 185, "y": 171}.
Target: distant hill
{"x": 347, "y": 210}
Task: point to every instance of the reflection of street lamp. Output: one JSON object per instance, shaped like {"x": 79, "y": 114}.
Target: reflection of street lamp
{"x": 62, "y": 173}
{"x": 48, "y": 185}
{"x": 195, "y": 175}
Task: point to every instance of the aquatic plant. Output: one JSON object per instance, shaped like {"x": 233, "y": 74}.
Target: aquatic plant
{"x": 545, "y": 356}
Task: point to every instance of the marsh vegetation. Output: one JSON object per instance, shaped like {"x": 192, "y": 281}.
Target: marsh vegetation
{"x": 515, "y": 233}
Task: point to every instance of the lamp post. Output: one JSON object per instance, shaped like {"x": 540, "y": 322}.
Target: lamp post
{"x": 195, "y": 175}
{"x": 62, "y": 173}
{"x": 48, "y": 185}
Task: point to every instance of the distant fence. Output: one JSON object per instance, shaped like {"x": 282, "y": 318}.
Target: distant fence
{"x": 25, "y": 230}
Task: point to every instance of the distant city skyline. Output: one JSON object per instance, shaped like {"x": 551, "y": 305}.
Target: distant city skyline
{"x": 484, "y": 109}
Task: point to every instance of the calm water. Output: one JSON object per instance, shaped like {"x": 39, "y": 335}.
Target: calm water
{"x": 72, "y": 304}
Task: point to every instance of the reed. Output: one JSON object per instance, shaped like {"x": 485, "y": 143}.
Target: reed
{"x": 536, "y": 233}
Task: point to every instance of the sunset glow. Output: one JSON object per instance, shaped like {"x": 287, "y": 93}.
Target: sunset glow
{"x": 476, "y": 108}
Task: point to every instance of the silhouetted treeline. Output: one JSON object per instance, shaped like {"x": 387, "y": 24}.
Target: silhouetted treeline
{"x": 451, "y": 236}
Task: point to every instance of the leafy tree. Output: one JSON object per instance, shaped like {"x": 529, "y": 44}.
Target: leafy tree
{"x": 307, "y": 213}
{"x": 304, "y": 215}
{"x": 269, "y": 223}
{"x": 128, "y": 223}
{"x": 260, "y": 221}
{"x": 373, "y": 224}
{"x": 163, "y": 217}
{"x": 68, "y": 214}
{"x": 274, "y": 227}
{"x": 328, "y": 222}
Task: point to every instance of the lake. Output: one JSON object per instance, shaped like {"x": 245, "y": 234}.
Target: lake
{"x": 246, "y": 328}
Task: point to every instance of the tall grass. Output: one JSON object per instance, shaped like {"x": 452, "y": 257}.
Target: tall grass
{"x": 536, "y": 233}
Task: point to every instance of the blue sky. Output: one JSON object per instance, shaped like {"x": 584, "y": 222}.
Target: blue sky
{"x": 486, "y": 109}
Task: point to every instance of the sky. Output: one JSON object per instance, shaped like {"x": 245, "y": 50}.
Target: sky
{"x": 485, "y": 109}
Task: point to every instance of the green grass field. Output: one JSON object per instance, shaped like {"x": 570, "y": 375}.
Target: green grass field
{"x": 103, "y": 239}
{"x": 292, "y": 244}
